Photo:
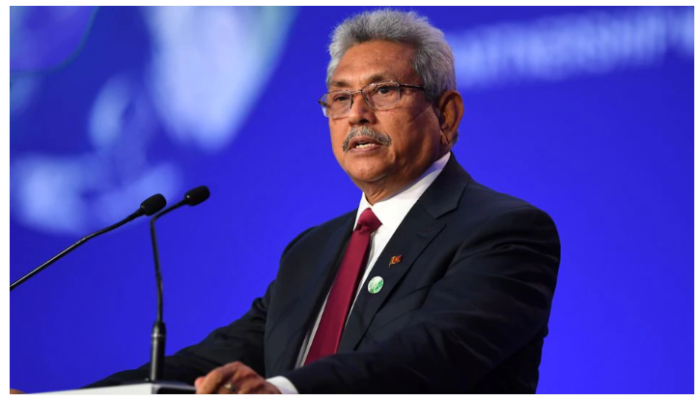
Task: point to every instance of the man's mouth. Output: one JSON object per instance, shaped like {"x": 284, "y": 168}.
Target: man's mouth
{"x": 362, "y": 143}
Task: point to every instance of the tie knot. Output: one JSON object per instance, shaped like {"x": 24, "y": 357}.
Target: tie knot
{"x": 368, "y": 222}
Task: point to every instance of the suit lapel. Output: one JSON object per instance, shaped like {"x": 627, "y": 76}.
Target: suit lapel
{"x": 408, "y": 241}
{"x": 313, "y": 292}
{"x": 415, "y": 233}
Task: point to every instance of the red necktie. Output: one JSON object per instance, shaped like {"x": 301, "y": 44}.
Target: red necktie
{"x": 330, "y": 328}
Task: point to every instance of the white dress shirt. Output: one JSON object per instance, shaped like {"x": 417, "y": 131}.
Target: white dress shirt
{"x": 391, "y": 213}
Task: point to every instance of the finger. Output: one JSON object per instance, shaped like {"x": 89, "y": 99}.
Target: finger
{"x": 228, "y": 388}
{"x": 247, "y": 380}
{"x": 211, "y": 383}
{"x": 231, "y": 384}
{"x": 198, "y": 381}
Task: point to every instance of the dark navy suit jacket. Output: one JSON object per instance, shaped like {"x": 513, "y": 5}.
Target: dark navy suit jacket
{"x": 465, "y": 311}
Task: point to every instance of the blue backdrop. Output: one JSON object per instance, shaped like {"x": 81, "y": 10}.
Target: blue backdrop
{"x": 585, "y": 112}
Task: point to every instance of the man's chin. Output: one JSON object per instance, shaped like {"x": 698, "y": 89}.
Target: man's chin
{"x": 362, "y": 178}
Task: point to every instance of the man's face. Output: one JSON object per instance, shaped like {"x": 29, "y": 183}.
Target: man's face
{"x": 411, "y": 126}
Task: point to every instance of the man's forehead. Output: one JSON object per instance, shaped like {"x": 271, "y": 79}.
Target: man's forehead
{"x": 373, "y": 61}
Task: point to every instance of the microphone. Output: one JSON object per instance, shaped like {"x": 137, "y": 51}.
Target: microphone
{"x": 192, "y": 198}
{"x": 149, "y": 207}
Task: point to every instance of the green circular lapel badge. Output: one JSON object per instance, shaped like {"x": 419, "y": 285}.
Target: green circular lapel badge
{"x": 375, "y": 284}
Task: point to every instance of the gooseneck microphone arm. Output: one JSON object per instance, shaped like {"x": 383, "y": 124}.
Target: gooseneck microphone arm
{"x": 149, "y": 207}
{"x": 156, "y": 259}
{"x": 192, "y": 198}
{"x": 158, "y": 335}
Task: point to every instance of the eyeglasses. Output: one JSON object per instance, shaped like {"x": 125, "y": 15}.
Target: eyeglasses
{"x": 378, "y": 96}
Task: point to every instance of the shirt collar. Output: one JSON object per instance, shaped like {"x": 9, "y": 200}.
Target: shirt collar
{"x": 393, "y": 210}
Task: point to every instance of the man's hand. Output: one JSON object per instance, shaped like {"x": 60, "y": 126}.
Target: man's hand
{"x": 15, "y": 391}
{"x": 235, "y": 378}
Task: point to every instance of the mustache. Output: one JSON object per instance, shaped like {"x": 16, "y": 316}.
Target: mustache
{"x": 365, "y": 131}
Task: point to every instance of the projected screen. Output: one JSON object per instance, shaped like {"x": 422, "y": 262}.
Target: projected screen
{"x": 585, "y": 112}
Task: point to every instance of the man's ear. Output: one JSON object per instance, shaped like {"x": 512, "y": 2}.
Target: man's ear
{"x": 450, "y": 110}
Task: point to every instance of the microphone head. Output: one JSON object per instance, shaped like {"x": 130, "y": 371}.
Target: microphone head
{"x": 153, "y": 204}
{"x": 197, "y": 195}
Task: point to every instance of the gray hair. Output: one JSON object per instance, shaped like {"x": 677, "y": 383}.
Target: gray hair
{"x": 433, "y": 60}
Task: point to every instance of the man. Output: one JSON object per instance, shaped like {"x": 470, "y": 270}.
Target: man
{"x": 443, "y": 286}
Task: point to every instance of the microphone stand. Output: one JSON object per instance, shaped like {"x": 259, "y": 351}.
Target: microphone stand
{"x": 192, "y": 198}
{"x": 158, "y": 334}
{"x": 149, "y": 206}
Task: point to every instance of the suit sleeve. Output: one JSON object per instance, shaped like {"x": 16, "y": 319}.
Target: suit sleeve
{"x": 494, "y": 299}
{"x": 241, "y": 340}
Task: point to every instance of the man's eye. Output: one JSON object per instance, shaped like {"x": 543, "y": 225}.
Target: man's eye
{"x": 339, "y": 98}
{"x": 386, "y": 90}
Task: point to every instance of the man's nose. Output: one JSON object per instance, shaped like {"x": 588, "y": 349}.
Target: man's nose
{"x": 360, "y": 112}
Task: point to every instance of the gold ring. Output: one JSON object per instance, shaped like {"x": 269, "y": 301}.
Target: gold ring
{"x": 229, "y": 386}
